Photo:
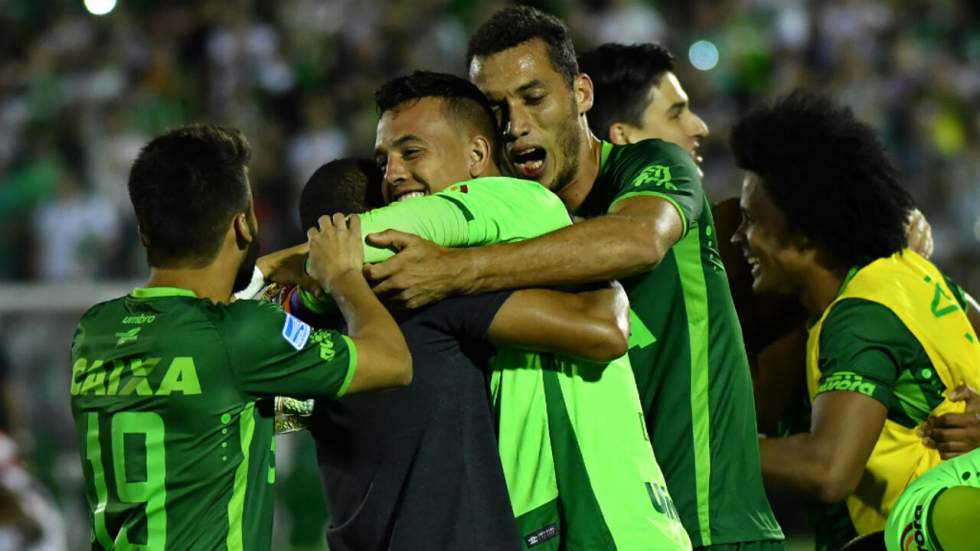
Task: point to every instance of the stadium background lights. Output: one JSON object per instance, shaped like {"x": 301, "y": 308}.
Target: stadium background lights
{"x": 100, "y": 7}
{"x": 703, "y": 55}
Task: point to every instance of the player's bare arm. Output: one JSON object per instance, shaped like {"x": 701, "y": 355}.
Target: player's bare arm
{"x": 336, "y": 258}
{"x": 631, "y": 239}
{"x": 590, "y": 325}
{"x": 826, "y": 463}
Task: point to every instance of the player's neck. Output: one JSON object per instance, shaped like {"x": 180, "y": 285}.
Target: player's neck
{"x": 590, "y": 151}
{"x": 212, "y": 282}
{"x": 820, "y": 288}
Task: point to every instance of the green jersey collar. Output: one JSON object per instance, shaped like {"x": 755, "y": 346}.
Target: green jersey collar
{"x": 604, "y": 154}
{"x": 847, "y": 279}
{"x": 159, "y": 292}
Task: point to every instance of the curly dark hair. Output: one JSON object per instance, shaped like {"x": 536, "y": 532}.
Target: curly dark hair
{"x": 622, "y": 77}
{"x": 829, "y": 175}
{"x": 349, "y": 186}
{"x": 516, "y": 25}
{"x": 185, "y": 186}
{"x": 463, "y": 100}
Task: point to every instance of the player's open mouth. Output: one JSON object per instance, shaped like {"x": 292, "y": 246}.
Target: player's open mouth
{"x": 529, "y": 162}
{"x": 694, "y": 154}
{"x": 410, "y": 195}
{"x": 752, "y": 261}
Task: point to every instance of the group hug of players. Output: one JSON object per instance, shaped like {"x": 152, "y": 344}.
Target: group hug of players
{"x": 538, "y": 403}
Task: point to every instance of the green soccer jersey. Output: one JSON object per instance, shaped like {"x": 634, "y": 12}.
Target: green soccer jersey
{"x": 687, "y": 353}
{"x": 574, "y": 483}
{"x": 171, "y": 396}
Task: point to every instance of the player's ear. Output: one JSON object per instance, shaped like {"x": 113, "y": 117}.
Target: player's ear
{"x": 243, "y": 231}
{"x": 582, "y": 86}
{"x": 479, "y": 156}
{"x": 619, "y": 133}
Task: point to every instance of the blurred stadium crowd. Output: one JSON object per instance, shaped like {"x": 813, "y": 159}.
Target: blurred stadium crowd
{"x": 80, "y": 94}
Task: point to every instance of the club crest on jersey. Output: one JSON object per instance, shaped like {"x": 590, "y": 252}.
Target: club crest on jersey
{"x": 295, "y": 332}
{"x": 658, "y": 175}
{"x": 127, "y": 336}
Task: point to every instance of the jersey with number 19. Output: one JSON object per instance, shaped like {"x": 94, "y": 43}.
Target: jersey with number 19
{"x": 169, "y": 395}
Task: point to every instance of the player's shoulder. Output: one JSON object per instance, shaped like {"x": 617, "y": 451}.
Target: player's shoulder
{"x": 245, "y": 310}
{"x": 497, "y": 184}
{"x": 653, "y": 150}
{"x": 102, "y": 309}
{"x": 857, "y": 322}
{"x": 503, "y": 188}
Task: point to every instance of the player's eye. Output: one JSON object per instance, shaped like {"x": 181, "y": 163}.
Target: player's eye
{"x": 411, "y": 153}
{"x": 382, "y": 163}
{"x": 534, "y": 100}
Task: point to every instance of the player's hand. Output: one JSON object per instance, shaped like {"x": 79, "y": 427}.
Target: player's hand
{"x": 288, "y": 267}
{"x": 420, "y": 274}
{"x": 918, "y": 233}
{"x": 335, "y": 250}
{"x": 954, "y": 433}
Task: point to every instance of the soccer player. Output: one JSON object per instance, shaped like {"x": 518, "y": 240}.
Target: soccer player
{"x": 824, "y": 220}
{"x": 639, "y": 97}
{"x": 647, "y": 223}
{"x": 419, "y": 466}
{"x": 939, "y": 510}
{"x": 169, "y": 382}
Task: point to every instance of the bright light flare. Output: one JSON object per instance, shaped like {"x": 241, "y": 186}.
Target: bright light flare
{"x": 100, "y": 7}
{"x": 703, "y": 55}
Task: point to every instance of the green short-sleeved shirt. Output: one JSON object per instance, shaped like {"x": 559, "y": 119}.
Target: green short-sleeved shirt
{"x": 169, "y": 395}
{"x": 687, "y": 353}
{"x": 910, "y": 525}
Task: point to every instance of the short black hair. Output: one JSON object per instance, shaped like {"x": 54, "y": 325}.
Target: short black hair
{"x": 349, "y": 186}
{"x": 516, "y": 25}
{"x": 622, "y": 77}
{"x": 829, "y": 175}
{"x": 463, "y": 100}
{"x": 186, "y": 185}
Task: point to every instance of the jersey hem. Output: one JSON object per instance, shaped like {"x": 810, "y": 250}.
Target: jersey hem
{"x": 351, "y": 366}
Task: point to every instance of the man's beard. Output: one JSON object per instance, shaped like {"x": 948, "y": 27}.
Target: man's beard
{"x": 244, "y": 275}
{"x": 570, "y": 141}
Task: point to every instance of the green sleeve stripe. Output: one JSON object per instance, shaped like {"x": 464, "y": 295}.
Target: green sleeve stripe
{"x": 236, "y": 505}
{"x": 665, "y": 197}
{"x": 93, "y": 449}
{"x": 604, "y": 154}
{"x": 929, "y": 526}
{"x": 691, "y": 273}
{"x": 459, "y": 204}
{"x": 351, "y": 365}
